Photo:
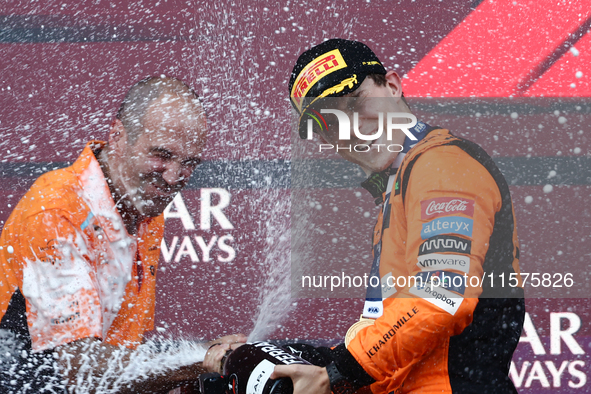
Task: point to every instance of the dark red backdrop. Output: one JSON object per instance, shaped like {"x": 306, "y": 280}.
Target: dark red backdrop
{"x": 502, "y": 69}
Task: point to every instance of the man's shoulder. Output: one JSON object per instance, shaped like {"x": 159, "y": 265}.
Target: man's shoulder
{"x": 58, "y": 188}
{"x": 55, "y": 190}
{"x": 451, "y": 164}
{"x": 441, "y": 144}
{"x": 445, "y": 158}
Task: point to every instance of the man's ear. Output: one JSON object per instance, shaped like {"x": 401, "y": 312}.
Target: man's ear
{"x": 394, "y": 83}
{"x": 117, "y": 136}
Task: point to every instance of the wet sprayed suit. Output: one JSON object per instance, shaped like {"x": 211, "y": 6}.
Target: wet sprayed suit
{"x": 69, "y": 269}
{"x": 448, "y": 221}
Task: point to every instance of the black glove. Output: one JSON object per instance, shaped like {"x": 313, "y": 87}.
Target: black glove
{"x": 345, "y": 373}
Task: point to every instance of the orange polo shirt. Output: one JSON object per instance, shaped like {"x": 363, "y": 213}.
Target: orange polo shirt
{"x": 66, "y": 249}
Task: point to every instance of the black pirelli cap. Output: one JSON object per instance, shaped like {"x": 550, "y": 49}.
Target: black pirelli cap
{"x": 331, "y": 69}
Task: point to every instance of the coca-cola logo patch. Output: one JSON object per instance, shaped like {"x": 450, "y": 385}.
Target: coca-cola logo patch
{"x": 442, "y": 206}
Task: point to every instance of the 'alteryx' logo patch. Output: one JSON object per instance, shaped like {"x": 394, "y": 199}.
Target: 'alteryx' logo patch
{"x": 446, "y": 225}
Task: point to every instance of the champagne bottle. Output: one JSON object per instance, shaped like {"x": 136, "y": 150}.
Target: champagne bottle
{"x": 249, "y": 367}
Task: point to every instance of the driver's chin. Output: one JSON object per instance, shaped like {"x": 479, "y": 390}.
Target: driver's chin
{"x": 380, "y": 164}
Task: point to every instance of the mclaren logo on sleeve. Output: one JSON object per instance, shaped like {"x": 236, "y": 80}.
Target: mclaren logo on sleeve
{"x": 445, "y": 243}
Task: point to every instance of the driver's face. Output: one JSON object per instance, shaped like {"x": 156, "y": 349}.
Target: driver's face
{"x": 369, "y": 103}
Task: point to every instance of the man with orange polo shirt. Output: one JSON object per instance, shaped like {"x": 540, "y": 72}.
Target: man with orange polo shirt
{"x": 432, "y": 322}
{"x": 79, "y": 255}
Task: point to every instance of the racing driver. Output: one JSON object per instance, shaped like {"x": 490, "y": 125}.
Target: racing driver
{"x": 446, "y": 220}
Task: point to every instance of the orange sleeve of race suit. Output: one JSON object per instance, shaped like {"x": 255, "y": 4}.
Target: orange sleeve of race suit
{"x": 419, "y": 318}
{"x": 58, "y": 282}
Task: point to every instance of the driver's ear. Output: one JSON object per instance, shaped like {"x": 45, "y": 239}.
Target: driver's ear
{"x": 394, "y": 83}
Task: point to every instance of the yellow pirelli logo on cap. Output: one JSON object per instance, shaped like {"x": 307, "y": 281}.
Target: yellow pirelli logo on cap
{"x": 313, "y": 72}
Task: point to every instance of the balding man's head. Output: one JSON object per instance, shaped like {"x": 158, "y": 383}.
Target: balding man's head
{"x": 155, "y": 144}
{"x": 155, "y": 90}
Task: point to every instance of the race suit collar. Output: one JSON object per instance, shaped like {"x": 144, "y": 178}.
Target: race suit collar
{"x": 377, "y": 182}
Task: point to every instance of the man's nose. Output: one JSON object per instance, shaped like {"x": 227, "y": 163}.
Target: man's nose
{"x": 173, "y": 173}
